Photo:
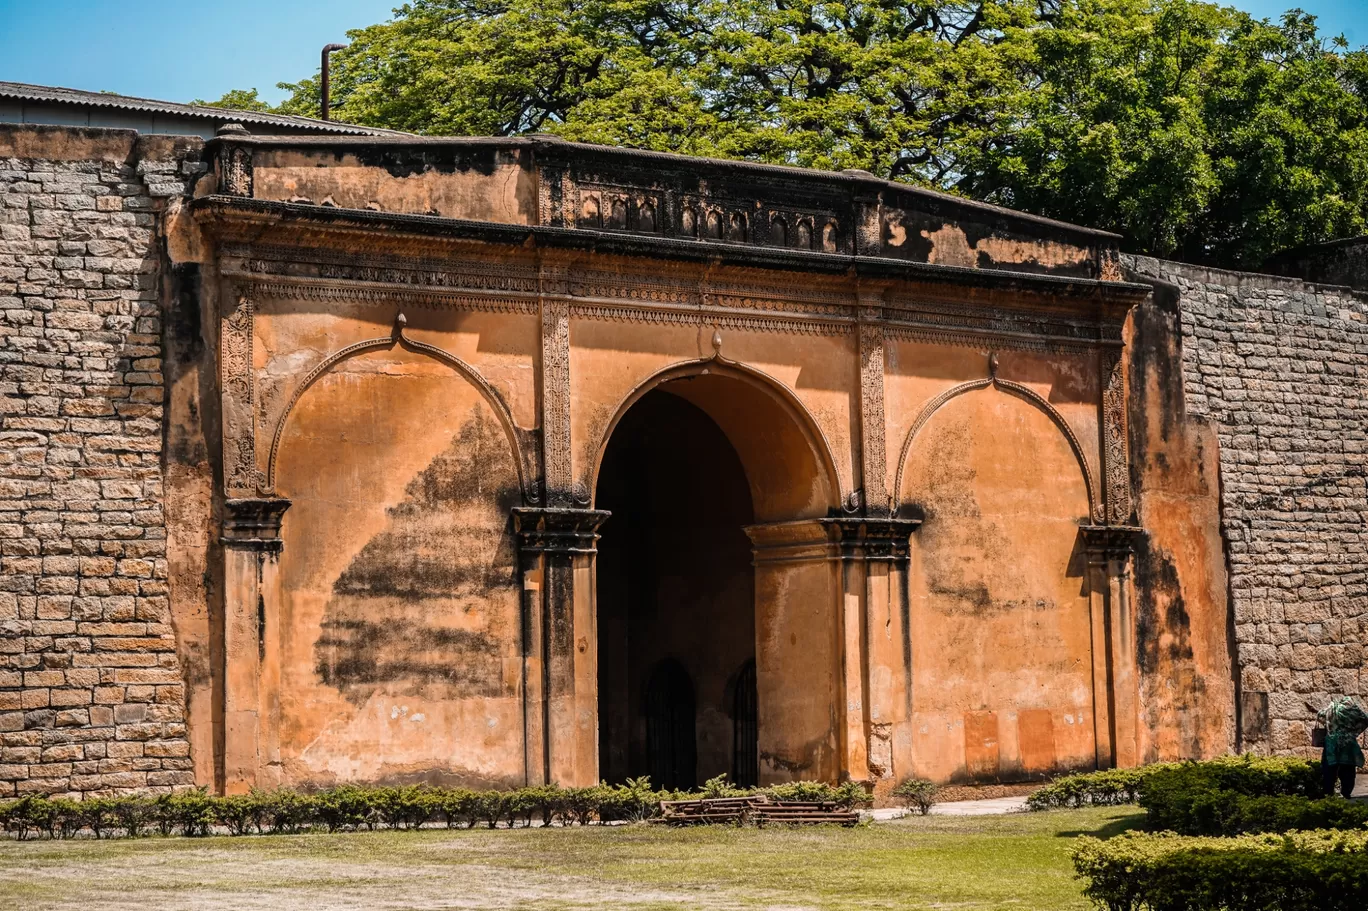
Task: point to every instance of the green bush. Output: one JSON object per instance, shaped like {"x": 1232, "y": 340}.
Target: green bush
{"x": 1105, "y": 788}
{"x": 1303, "y": 871}
{"x": 847, "y": 794}
{"x": 1204, "y": 797}
{"x": 1232, "y": 813}
{"x": 134, "y": 814}
{"x": 344, "y": 808}
{"x": 350, "y": 807}
{"x": 193, "y": 812}
{"x": 631, "y": 802}
{"x": 1256, "y": 776}
{"x": 917, "y": 793}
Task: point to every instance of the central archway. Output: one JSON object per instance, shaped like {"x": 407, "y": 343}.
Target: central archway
{"x": 700, "y": 645}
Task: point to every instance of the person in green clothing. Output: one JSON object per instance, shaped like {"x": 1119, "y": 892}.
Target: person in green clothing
{"x": 1344, "y": 720}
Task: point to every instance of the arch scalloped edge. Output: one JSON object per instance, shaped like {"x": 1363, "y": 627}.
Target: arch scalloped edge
{"x": 398, "y": 337}
{"x": 1024, "y": 392}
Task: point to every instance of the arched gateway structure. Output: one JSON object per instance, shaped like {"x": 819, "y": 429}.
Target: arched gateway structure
{"x": 547, "y": 462}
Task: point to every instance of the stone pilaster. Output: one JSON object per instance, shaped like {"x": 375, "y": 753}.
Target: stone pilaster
{"x": 828, "y": 594}
{"x": 251, "y": 540}
{"x": 873, "y": 555}
{"x": 554, "y": 388}
{"x": 873, "y": 423}
{"x": 560, "y": 650}
{"x": 1110, "y": 551}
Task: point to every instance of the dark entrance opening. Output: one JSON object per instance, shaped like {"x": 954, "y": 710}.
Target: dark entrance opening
{"x": 746, "y": 727}
{"x": 671, "y": 738}
{"x": 675, "y": 596}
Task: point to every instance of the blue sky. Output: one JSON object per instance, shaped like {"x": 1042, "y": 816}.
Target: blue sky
{"x": 179, "y": 51}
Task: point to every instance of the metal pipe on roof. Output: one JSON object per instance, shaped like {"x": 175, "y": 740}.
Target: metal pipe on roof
{"x": 327, "y": 78}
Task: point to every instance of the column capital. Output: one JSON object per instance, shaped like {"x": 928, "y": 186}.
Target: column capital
{"x": 833, "y": 538}
{"x": 253, "y": 523}
{"x": 1110, "y": 542}
{"x": 864, "y": 538}
{"x": 558, "y": 530}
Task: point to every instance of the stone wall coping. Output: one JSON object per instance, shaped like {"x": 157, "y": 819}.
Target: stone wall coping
{"x": 555, "y": 147}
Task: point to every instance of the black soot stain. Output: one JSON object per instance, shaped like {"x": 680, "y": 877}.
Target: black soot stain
{"x": 414, "y": 605}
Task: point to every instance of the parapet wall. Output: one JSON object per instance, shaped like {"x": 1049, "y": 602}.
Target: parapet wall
{"x": 92, "y": 697}
{"x": 1280, "y": 368}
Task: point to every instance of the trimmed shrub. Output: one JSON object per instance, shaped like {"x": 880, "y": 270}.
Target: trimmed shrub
{"x": 630, "y": 802}
{"x": 718, "y": 787}
{"x": 1256, "y": 776}
{"x": 1105, "y": 788}
{"x": 1204, "y": 797}
{"x": 192, "y": 812}
{"x": 1231, "y": 813}
{"x": 344, "y": 808}
{"x": 917, "y": 794}
{"x": 848, "y": 794}
{"x": 1303, "y": 871}
{"x": 134, "y": 814}
{"x": 196, "y": 813}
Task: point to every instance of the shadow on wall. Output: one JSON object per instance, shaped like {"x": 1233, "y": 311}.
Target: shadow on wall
{"x": 408, "y": 608}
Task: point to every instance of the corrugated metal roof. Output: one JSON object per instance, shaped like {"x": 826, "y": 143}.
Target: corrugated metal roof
{"x": 54, "y": 95}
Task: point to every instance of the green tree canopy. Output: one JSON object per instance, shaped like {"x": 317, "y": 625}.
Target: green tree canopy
{"x": 1195, "y": 130}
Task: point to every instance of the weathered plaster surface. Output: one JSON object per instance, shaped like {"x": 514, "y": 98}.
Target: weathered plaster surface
{"x": 417, "y": 353}
{"x": 1002, "y": 654}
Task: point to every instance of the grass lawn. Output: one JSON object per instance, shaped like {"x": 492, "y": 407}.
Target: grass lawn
{"x": 1018, "y": 861}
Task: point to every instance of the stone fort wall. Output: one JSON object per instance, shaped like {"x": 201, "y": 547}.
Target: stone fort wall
{"x": 1280, "y": 368}
{"x": 91, "y": 691}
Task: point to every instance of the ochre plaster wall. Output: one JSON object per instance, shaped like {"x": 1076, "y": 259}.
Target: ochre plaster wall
{"x": 389, "y": 641}
{"x": 1187, "y": 686}
{"x": 1000, "y": 622}
{"x": 395, "y": 651}
{"x": 483, "y": 186}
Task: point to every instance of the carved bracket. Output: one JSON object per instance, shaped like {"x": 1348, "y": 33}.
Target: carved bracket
{"x": 872, "y": 538}
{"x": 834, "y": 538}
{"x": 253, "y": 523}
{"x": 553, "y": 530}
{"x": 1110, "y": 542}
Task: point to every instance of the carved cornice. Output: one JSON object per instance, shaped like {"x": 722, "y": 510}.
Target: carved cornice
{"x": 871, "y": 538}
{"x": 253, "y": 523}
{"x": 751, "y": 300}
{"x": 556, "y": 530}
